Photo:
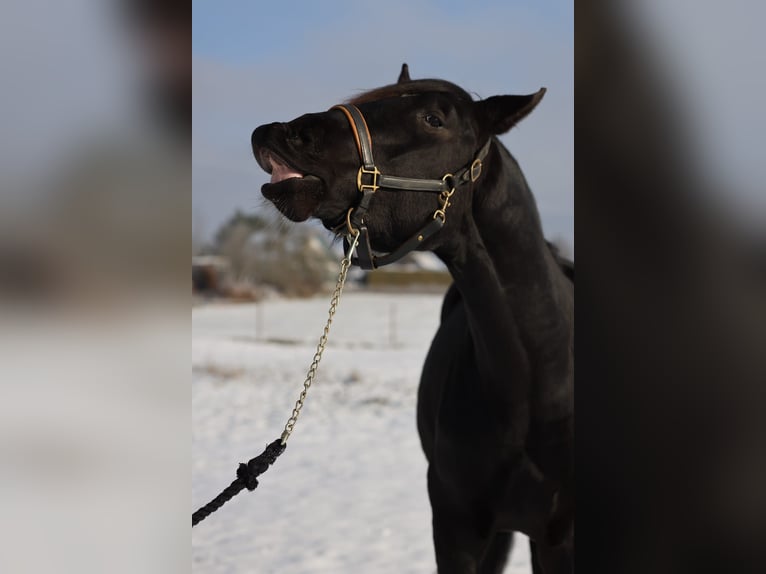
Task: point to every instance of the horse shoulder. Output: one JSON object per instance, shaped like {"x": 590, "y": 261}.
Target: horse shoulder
{"x": 452, "y": 298}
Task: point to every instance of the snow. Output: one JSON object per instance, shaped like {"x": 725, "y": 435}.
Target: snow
{"x": 349, "y": 493}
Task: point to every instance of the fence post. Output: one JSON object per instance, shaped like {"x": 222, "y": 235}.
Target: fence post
{"x": 259, "y": 322}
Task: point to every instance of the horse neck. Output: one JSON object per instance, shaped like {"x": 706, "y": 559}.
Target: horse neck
{"x": 502, "y": 268}
{"x": 501, "y": 236}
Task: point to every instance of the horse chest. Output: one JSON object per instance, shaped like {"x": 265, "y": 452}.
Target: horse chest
{"x": 456, "y": 401}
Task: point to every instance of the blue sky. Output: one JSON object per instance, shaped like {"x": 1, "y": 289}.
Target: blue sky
{"x": 258, "y": 62}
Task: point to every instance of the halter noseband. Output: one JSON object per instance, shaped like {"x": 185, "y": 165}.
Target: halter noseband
{"x": 369, "y": 180}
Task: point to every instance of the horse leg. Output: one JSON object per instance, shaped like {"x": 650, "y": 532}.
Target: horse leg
{"x": 536, "y": 568}
{"x": 550, "y": 559}
{"x": 457, "y": 549}
{"x": 497, "y": 554}
{"x": 458, "y": 545}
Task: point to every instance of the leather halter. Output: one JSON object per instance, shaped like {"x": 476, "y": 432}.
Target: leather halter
{"x": 369, "y": 180}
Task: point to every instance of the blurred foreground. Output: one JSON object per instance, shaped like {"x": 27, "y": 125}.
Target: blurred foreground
{"x": 671, "y": 293}
{"x": 94, "y": 327}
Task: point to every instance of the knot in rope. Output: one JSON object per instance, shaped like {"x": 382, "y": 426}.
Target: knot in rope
{"x": 247, "y": 477}
{"x": 249, "y": 473}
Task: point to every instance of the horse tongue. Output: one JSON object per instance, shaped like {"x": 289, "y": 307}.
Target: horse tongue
{"x": 281, "y": 171}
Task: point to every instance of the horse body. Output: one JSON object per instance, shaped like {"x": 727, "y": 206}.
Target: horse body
{"x": 495, "y": 406}
{"x": 495, "y": 398}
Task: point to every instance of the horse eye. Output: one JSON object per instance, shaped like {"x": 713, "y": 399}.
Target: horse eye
{"x": 433, "y": 121}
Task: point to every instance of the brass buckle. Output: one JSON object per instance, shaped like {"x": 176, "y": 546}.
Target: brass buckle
{"x": 475, "y": 169}
{"x": 374, "y": 173}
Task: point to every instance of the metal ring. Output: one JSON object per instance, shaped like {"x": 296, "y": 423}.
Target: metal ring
{"x": 451, "y": 183}
{"x": 350, "y": 227}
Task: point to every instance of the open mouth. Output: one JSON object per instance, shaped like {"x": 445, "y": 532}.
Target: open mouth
{"x": 279, "y": 169}
{"x": 294, "y": 193}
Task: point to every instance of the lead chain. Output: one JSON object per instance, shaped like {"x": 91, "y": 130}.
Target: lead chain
{"x": 345, "y": 264}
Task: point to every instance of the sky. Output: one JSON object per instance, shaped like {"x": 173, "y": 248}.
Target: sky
{"x": 260, "y": 62}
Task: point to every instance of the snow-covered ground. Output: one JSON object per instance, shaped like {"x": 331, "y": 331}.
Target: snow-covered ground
{"x": 349, "y": 493}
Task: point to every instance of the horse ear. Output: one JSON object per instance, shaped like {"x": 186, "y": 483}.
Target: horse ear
{"x": 404, "y": 75}
{"x": 500, "y": 113}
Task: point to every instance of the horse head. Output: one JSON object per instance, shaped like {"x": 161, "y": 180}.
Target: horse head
{"x": 421, "y": 130}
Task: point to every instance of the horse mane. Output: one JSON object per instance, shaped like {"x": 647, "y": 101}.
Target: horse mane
{"x": 409, "y": 89}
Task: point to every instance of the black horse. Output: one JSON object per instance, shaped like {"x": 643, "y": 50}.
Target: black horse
{"x": 495, "y": 405}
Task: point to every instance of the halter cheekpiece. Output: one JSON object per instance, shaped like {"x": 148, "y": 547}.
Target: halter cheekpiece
{"x": 369, "y": 180}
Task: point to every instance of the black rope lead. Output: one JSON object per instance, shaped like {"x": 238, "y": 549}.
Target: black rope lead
{"x": 247, "y": 477}
{"x": 247, "y": 474}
